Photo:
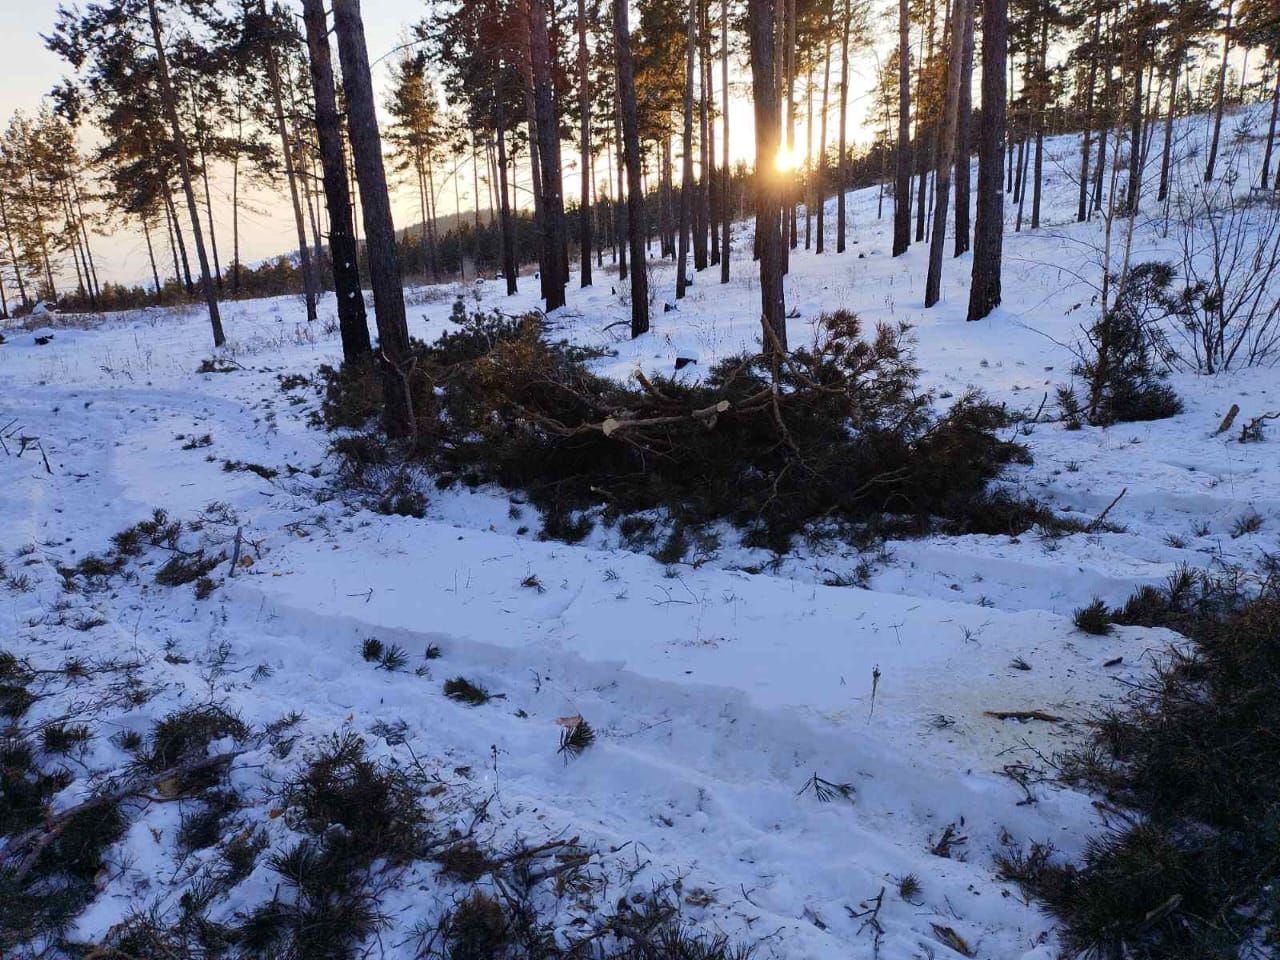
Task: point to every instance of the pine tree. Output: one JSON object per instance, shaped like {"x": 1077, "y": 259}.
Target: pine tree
{"x": 344, "y": 253}
{"x": 552, "y": 214}
{"x": 988, "y": 232}
{"x": 726, "y": 204}
{"x": 379, "y": 230}
{"x": 765, "y": 92}
{"x": 902, "y": 151}
{"x": 1259, "y": 26}
{"x": 631, "y": 150}
{"x": 584, "y": 134}
{"x": 120, "y": 51}
{"x": 686, "y": 174}
{"x": 168, "y": 97}
{"x": 414, "y": 131}
{"x": 960, "y": 13}
{"x": 1219, "y": 99}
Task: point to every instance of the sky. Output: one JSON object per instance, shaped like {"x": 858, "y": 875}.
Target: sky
{"x": 29, "y": 71}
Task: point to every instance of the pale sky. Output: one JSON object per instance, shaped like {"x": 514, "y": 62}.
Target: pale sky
{"x": 29, "y": 71}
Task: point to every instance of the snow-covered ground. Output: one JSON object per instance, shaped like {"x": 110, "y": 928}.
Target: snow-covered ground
{"x": 716, "y": 693}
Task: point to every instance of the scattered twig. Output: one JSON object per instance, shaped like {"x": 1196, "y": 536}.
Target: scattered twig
{"x": 1097, "y": 521}
{"x": 1023, "y": 715}
{"x": 870, "y": 916}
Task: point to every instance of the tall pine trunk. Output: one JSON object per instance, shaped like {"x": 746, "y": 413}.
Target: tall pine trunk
{"x": 291, "y": 174}
{"x": 506, "y": 229}
{"x": 584, "y": 134}
{"x": 635, "y": 186}
{"x": 902, "y": 171}
{"x": 765, "y": 90}
{"x": 701, "y": 209}
{"x": 379, "y": 230}
{"x": 151, "y": 254}
{"x": 666, "y": 224}
{"x": 208, "y": 206}
{"x": 1166, "y": 152}
{"x": 711, "y": 189}
{"x": 964, "y": 138}
{"x": 619, "y": 218}
{"x": 1219, "y": 98}
{"x": 988, "y": 232}
{"x": 13, "y": 254}
{"x": 946, "y": 152}
{"x": 1082, "y": 211}
{"x": 176, "y": 246}
{"x": 352, "y": 322}
{"x": 842, "y": 168}
{"x": 726, "y": 206}
{"x": 1133, "y": 185}
{"x": 1264, "y": 180}
{"x": 820, "y": 186}
{"x": 170, "y": 102}
{"x": 553, "y": 227}
{"x": 686, "y": 170}
{"x": 808, "y": 161}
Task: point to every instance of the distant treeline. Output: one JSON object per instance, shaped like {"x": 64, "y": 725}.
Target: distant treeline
{"x": 463, "y": 252}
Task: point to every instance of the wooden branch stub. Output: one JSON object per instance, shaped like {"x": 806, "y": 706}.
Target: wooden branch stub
{"x": 1228, "y": 420}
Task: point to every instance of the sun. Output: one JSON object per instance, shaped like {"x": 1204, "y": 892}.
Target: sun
{"x": 786, "y": 160}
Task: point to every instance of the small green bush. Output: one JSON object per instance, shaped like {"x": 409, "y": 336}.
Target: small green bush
{"x": 1122, "y": 376}
{"x": 1191, "y": 871}
{"x": 1094, "y": 618}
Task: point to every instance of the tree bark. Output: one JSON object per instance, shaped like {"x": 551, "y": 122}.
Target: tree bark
{"x": 1082, "y": 212}
{"x": 352, "y": 322}
{"x": 151, "y": 255}
{"x": 820, "y": 187}
{"x": 1042, "y": 105}
{"x": 790, "y": 194}
{"x": 964, "y": 145}
{"x": 235, "y": 199}
{"x": 619, "y": 219}
{"x": 946, "y": 152}
{"x": 666, "y": 239}
{"x": 808, "y": 161}
{"x": 78, "y": 200}
{"x": 701, "y": 193}
{"x": 765, "y": 94}
{"x": 208, "y": 207}
{"x": 726, "y": 206}
{"x": 988, "y": 233}
{"x": 686, "y": 169}
{"x": 584, "y": 134}
{"x": 635, "y": 187}
{"x": 1219, "y": 98}
{"x": 842, "y": 163}
{"x": 1166, "y": 152}
{"x": 1264, "y": 180}
{"x": 902, "y": 172}
{"x": 291, "y": 174}
{"x": 13, "y": 253}
{"x": 170, "y": 103}
{"x": 176, "y": 245}
{"x": 504, "y": 193}
{"x": 1133, "y": 186}
{"x": 379, "y": 229}
{"x": 553, "y": 232}
{"x": 711, "y": 181}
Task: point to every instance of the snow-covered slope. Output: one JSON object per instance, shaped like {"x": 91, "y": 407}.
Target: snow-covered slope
{"x": 716, "y": 693}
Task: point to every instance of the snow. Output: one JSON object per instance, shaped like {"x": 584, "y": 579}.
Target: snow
{"x": 716, "y": 693}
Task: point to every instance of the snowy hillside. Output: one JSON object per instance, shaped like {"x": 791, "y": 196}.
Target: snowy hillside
{"x": 718, "y": 687}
